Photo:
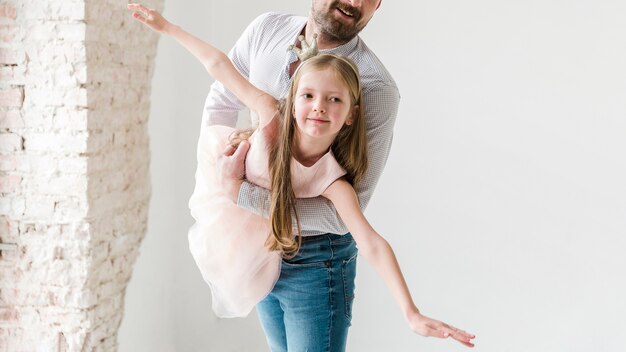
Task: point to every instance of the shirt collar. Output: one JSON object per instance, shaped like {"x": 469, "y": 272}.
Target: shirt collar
{"x": 343, "y": 49}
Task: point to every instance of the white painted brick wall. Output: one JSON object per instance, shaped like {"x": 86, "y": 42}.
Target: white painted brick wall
{"x": 74, "y": 169}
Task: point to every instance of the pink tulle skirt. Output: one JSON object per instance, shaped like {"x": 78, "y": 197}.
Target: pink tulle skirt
{"x": 228, "y": 242}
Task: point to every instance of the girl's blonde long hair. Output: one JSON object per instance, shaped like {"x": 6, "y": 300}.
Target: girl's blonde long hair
{"x": 349, "y": 148}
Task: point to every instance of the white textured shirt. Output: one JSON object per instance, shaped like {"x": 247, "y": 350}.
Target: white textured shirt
{"x": 261, "y": 55}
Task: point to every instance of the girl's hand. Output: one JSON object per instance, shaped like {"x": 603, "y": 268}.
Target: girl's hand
{"x": 426, "y": 326}
{"x": 149, "y": 17}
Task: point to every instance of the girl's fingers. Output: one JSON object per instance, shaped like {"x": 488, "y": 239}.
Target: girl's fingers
{"x": 139, "y": 17}
{"x": 459, "y": 331}
{"x": 457, "y": 334}
{"x": 138, "y": 7}
{"x": 442, "y": 330}
{"x": 462, "y": 337}
{"x": 465, "y": 334}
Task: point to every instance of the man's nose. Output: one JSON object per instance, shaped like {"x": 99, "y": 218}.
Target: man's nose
{"x": 355, "y": 3}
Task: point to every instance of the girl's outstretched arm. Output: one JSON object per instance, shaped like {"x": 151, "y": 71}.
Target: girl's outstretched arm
{"x": 215, "y": 61}
{"x": 375, "y": 249}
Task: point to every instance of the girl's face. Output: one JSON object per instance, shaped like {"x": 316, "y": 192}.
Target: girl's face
{"x": 322, "y": 105}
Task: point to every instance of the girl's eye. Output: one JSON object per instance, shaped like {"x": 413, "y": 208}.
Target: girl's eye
{"x": 307, "y": 95}
{"x": 335, "y": 100}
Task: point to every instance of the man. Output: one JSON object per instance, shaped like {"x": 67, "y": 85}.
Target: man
{"x": 261, "y": 55}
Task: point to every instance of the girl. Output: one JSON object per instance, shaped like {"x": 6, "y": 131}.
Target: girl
{"x": 313, "y": 144}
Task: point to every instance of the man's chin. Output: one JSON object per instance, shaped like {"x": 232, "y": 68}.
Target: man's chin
{"x": 337, "y": 27}
{"x": 342, "y": 34}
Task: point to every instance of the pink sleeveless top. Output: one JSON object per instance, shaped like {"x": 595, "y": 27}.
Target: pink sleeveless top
{"x": 307, "y": 181}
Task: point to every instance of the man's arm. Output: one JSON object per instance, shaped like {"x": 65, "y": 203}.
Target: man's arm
{"x": 318, "y": 215}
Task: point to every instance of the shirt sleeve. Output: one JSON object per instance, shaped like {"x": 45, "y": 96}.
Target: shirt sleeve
{"x": 221, "y": 106}
{"x": 318, "y": 215}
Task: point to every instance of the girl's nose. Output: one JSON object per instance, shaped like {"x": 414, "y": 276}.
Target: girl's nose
{"x": 319, "y": 107}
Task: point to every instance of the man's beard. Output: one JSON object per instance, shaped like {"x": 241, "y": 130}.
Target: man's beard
{"x": 336, "y": 30}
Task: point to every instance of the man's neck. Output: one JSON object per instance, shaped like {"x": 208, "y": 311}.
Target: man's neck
{"x": 323, "y": 40}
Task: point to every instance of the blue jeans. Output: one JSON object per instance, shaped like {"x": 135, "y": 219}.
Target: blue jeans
{"x": 310, "y": 308}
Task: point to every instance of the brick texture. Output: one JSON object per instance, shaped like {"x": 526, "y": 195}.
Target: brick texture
{"x": 74, "y": 169}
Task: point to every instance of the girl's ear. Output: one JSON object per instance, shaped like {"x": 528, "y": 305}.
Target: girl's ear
{"x": 350, "y": 119}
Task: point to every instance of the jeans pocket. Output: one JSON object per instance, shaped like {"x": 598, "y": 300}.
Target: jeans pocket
{"x": 304, "y": 264}
{"x": 348, "y": 273}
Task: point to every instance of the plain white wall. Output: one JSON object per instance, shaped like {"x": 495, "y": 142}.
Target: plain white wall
{"x": 503, "y": 196}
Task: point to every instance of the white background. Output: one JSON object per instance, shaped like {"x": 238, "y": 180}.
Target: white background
{"x": 503, "y": 197}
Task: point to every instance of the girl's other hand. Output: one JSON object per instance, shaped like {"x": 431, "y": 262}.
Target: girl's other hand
{"x": 426, "y": 326}
{"x": 149, "y": 17}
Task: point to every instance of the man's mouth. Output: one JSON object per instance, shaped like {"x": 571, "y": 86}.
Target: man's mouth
{"x": 348, "y": 12}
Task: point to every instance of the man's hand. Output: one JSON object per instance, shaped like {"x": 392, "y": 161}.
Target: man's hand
{"x": 231, "y": 169}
